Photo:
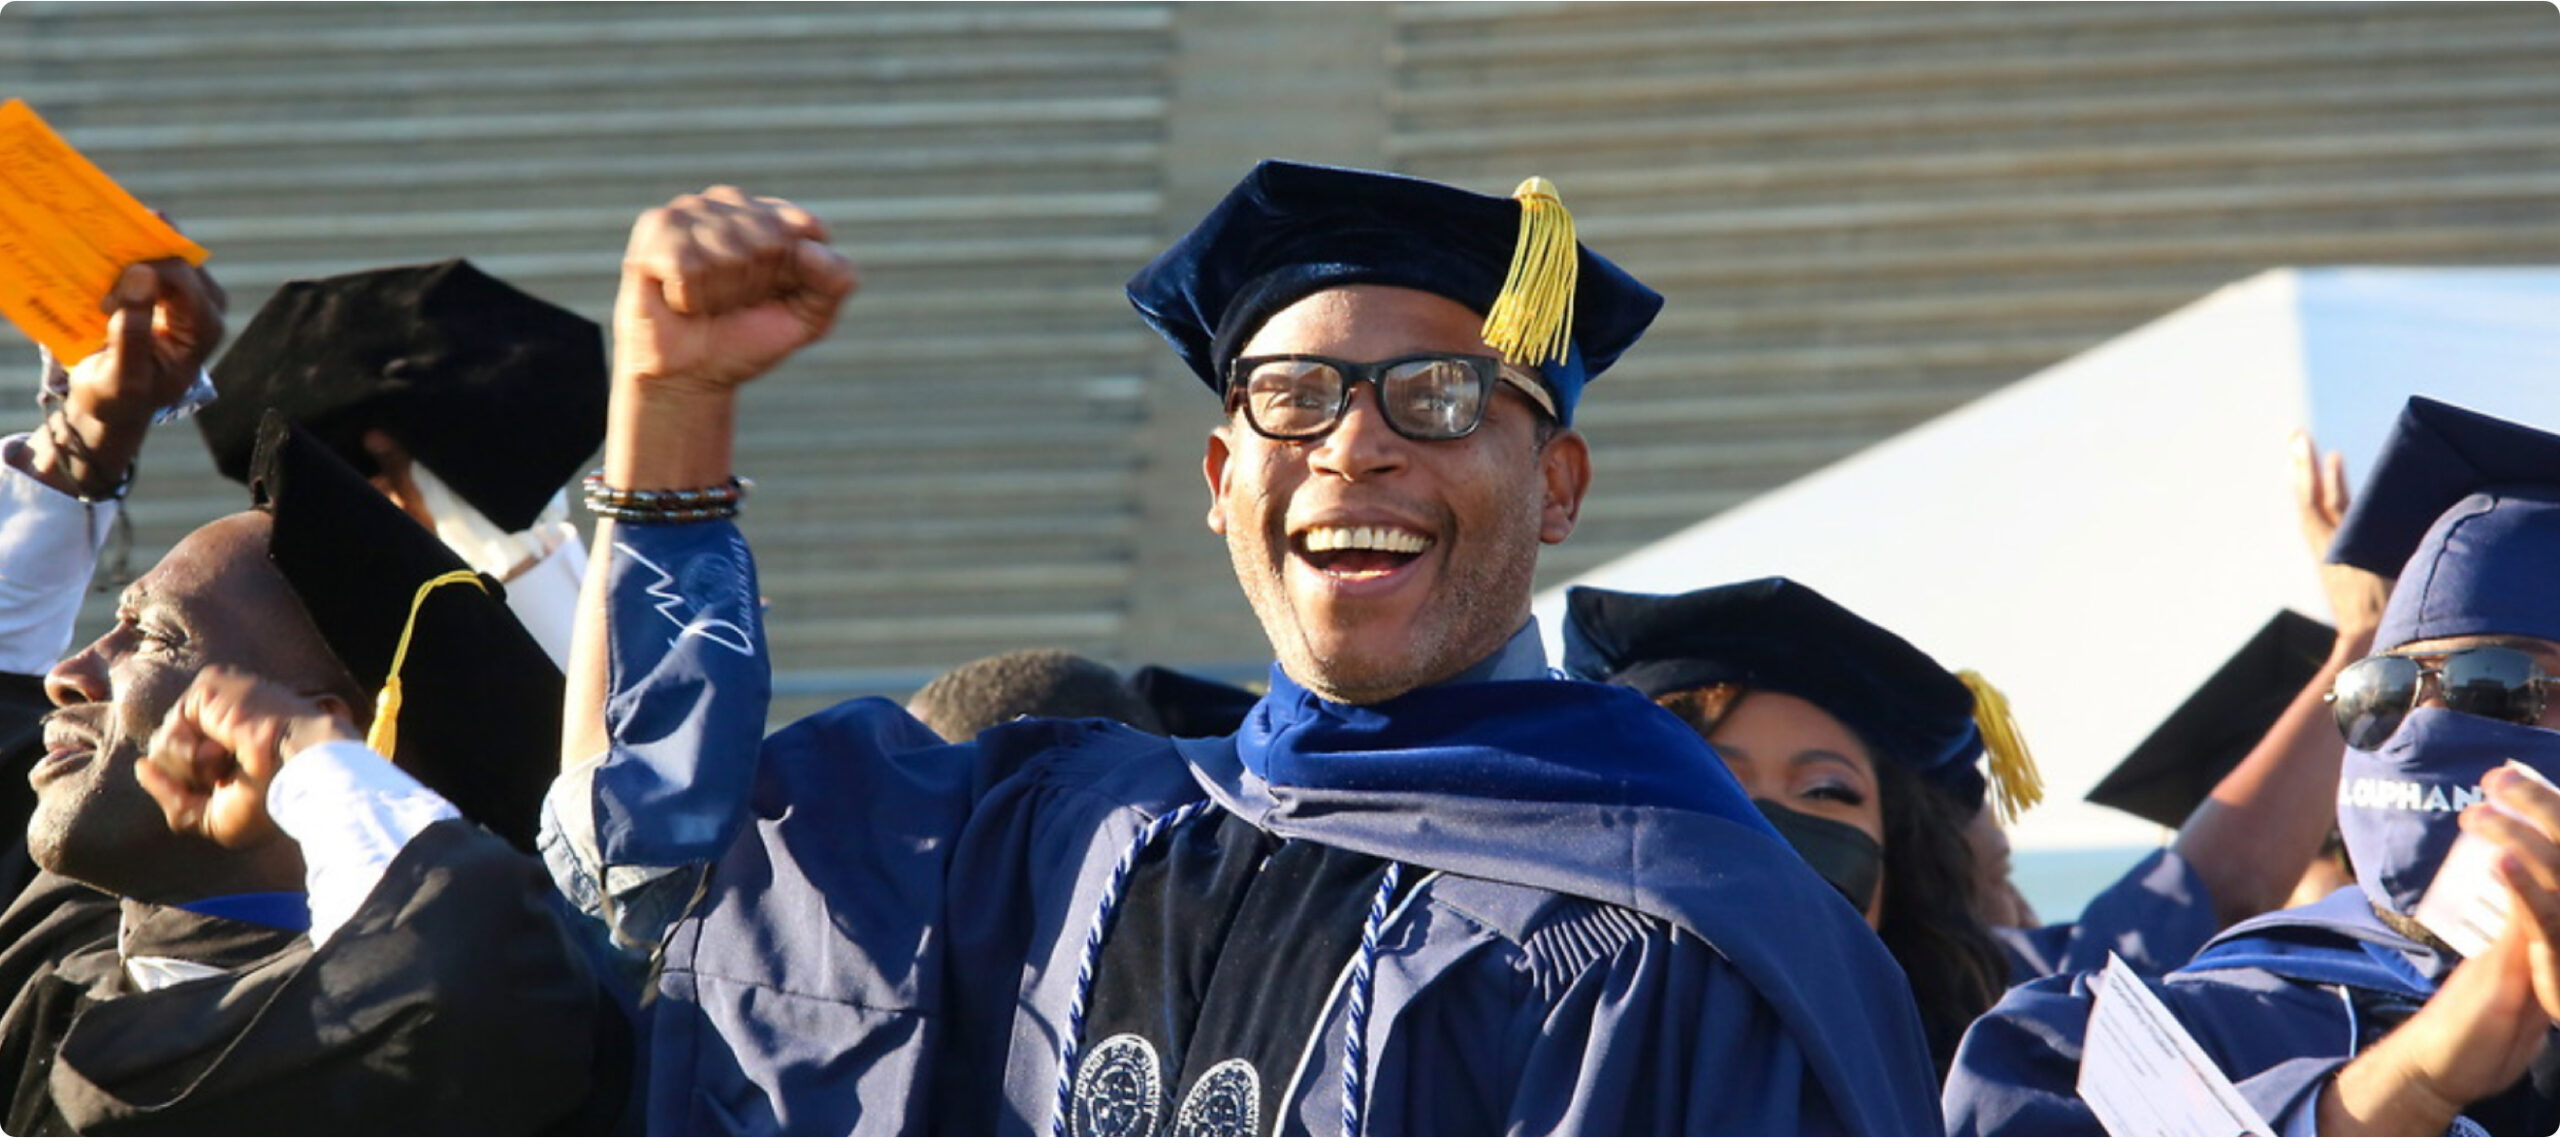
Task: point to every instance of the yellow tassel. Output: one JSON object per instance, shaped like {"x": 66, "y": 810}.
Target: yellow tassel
{"x": 1532, "y": 320}
{"x": 2015, "y": 785}
{"x": 384, "y": 736}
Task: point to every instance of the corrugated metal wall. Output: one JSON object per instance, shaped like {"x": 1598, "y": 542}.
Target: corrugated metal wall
{"x": 1863, "y": 215}
{"x": 949, "y": 474}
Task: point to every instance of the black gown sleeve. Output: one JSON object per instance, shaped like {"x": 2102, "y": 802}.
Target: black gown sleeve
{"x": 22, "y": 710}
{"x": 454, "y": 1001}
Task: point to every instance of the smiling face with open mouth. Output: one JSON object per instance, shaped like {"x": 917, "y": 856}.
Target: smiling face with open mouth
{"x": 1378, "y": 563}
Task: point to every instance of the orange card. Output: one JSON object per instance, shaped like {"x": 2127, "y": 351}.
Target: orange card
{"x": 66, "y": 230}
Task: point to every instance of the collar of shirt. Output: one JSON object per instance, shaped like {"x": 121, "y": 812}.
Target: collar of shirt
{"x": 215, "y": 934}
{"x": 152, "y": 973}
{"x": 1523, "y": 657}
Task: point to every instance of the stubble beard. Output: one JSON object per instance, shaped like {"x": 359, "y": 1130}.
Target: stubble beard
{"x": 71, "y": 831}
{"x": 1472, "y": 612}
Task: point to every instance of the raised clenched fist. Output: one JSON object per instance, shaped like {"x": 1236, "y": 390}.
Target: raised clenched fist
{"x": 718, "y": 287}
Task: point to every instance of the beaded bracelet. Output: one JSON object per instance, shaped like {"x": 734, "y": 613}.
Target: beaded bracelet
{"x": 665, "y": 507}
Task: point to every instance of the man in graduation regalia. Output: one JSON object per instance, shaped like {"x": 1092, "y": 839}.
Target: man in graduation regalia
{"x": 310, "y": 939}
{"x": 1425, "y": 888}
{"x": 2348, "y": 1016}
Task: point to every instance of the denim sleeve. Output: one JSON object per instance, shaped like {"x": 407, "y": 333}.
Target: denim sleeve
{"x": 628, "y": 834}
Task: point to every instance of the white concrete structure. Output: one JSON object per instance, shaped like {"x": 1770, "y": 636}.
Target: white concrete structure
{"x": 2098, "y": 537}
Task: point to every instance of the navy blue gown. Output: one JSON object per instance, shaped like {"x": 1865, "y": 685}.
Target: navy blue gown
{"x": 878, "y": 932}
{"x": 2280, "y": 1002}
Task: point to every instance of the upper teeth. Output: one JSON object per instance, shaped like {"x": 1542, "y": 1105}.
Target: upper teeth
{"x": 1325, "y": 539}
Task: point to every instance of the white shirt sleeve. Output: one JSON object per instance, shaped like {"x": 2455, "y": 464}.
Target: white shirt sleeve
{"x": 352, "y": 811}
{"x": 544, "y": 596}
{"x": 49, "y": 544}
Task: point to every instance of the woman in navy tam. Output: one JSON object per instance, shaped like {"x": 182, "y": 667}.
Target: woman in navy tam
{"x": 1858, "y": 747}
{"x": 2348, "y": 1015}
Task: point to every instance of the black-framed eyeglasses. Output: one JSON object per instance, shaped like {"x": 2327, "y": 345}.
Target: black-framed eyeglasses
{"x": 2374, "y": 694}
{"x": 1429, "y": 396}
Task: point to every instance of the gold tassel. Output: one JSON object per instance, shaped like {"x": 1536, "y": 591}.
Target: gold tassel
{"x": 2015, "y": 784}
{"x": 384, "y": 736}
{"x": 1532, "y": 320}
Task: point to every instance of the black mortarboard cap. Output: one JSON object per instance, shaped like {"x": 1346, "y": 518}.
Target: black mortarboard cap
{"x": 2184, "y": 758}
{"x": 479, "y": 718}
{"x": 501, "y": 394}
{"x": 1288, "y": 230}
{"x": 1190, "y": 706}
{"x": 2464, "y": 509}
{"x": 1776, "y": 635}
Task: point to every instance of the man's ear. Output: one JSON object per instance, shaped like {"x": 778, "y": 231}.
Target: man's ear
{"x": 1213, "y": 466}
{"x": 1565, "y": 464}
{"x": 344, "y": 708}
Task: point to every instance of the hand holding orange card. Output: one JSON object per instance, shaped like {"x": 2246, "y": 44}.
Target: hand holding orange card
{"x": 66, "y": 230}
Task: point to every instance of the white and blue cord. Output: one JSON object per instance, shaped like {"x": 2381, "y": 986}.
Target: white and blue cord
{"x": 1355, "y": 1017}
{"x": 1073, "y": 1035}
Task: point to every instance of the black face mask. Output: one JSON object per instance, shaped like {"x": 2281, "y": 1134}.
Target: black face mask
{"x": 1843, "y": 854}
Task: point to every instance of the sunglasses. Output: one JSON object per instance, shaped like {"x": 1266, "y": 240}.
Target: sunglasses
{"x": 2374, "y": 694}
{"x": 1431, "y": 397}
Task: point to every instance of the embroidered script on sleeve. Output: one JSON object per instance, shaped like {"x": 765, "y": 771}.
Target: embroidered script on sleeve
{"x": 681, "y": 612}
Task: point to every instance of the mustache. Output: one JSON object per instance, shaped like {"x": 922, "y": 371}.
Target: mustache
{"x": 84, "y": 725}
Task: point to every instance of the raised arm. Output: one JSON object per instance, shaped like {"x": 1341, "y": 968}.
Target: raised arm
{"x": 668, "y": 683}
{"x": 62, "y": 479}
{"x": 2252, "y": 837}
{"x": 442, "y": 990}
{"x": 717, "y": 288}
{"x": 248, "y": 763}
{"x": 164, "y": 319}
